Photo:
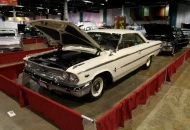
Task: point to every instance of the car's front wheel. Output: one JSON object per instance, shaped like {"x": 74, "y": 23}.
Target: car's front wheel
{"x": 97, "y": 88}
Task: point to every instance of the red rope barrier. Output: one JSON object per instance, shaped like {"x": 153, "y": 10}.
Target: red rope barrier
{"x": 116, "y": 116}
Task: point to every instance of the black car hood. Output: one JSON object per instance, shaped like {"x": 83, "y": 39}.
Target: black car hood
{"x": 64, "y": 33}
{"x": 158, "y": 29}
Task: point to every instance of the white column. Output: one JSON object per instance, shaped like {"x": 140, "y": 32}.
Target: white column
{"x": 66, "y": 17}
{"x": 14, "y": 14}
{"x": 122, "y": 10}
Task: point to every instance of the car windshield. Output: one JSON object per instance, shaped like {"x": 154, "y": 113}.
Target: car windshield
{"x": 6, "y": 34}
{"x": 106, "y": 40}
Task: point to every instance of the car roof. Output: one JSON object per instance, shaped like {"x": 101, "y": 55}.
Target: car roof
{"x": 118, "y": 31}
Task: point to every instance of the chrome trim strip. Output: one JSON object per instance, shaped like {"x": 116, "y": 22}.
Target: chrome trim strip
{"x": 75, "y": 66}
{"x": 117, "y": 59}
{"x": 139, "y": 58}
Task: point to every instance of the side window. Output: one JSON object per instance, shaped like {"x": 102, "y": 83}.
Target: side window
{"x": 138, "y": 40}
{"x": 129, "y": 40}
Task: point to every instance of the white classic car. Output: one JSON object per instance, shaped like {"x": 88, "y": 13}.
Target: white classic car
{"x": 86, "y": 26}
{"x": 137, "y": 28}
{"x": 9, "y": 37}
{"x": 87, "y": 62}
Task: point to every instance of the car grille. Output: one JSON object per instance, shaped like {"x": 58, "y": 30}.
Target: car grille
{"x": 43, "y": 71}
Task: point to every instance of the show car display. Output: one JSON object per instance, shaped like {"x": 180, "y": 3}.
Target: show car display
{"x": 87, "y": 62}
{"x": 10, "y": 40}
{"x": 172, "y": 38}
{"x": 137, "y": 28}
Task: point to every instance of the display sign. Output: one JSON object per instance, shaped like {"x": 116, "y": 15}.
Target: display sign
{"x": 8, "y": 2}
{"x": 119, "y": 22}
{"x": 11, "y": 113}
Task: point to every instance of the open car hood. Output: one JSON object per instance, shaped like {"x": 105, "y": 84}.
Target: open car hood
{"x": 64, "y": 32}
{"x": 158, "y": 29}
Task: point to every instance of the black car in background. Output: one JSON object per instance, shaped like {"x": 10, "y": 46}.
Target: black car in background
{"x": 172, "y": 39}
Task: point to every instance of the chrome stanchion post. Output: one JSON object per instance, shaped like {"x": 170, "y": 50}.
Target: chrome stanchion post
{"x": 89, "y": 127}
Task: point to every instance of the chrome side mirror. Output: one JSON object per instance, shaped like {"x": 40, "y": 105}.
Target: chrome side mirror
{"x": 111, "y": 52}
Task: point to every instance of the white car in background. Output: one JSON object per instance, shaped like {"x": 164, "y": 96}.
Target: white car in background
{"x": 10, "y": 40}
{"x": 86, "y": 26}
{"x": 137, "y": 28}
{"x": 87, "y": 62}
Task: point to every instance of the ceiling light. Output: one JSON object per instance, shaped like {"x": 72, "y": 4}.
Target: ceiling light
{"x": 102, "y": 3}
{"x": 87, "y": 1}
{"x": 55, "y": 9}
{"x": 39, "y": 7}
{"x": 19, "y": 6}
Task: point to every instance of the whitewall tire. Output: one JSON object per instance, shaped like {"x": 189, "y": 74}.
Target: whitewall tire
{"x": 97, "y": 88}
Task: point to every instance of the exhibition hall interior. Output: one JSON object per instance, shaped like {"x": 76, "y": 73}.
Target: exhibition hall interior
{"x": 94, "y": 65}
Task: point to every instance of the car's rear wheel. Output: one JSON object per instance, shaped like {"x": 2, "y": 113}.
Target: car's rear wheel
{"x": 148, "y": 63}
{"x": 97, "y": 88}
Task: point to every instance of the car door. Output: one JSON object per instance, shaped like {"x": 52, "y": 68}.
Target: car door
{"x": 128, "y": 55}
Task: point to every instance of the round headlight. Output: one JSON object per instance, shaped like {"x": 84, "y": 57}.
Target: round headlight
{"x": 73, "y": 78}
{"x": 169, "y": 44}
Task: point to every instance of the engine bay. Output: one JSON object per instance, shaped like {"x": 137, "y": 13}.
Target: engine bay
{"x": 62, "y": 59}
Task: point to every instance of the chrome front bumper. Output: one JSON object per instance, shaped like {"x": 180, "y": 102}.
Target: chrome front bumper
{"x": 78, "y": 90}
{"x": 8, "y": 48}
{"x": 167, "y": 48}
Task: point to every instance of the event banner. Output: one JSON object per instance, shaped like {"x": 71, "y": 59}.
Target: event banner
{"x": 8, "y": 2}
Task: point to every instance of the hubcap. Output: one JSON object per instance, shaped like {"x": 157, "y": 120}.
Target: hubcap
{"x": 97, "y": 86}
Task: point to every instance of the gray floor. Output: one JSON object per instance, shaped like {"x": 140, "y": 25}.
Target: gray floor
{"x": 168, "y": 109}
{"x": 26, "y": 119}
